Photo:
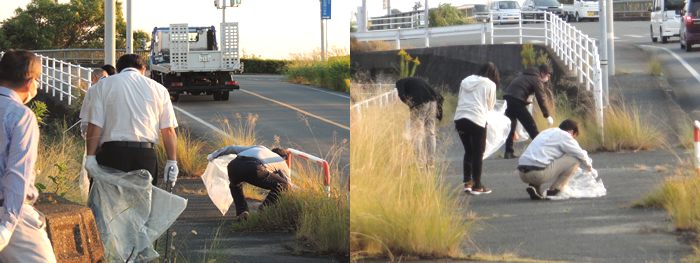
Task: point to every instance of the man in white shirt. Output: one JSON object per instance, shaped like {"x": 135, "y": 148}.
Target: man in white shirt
{"x": 125, "y": 113}
{"x": 258, "y": 166}
{"x": 553, "y": 155}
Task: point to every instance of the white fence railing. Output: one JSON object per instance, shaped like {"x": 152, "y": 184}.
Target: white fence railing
{"x": 63, "y": 78}
{"x": 385, "y": 98}
{"x": 578, "y": 51}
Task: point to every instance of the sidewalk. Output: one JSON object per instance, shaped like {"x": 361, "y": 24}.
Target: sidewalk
{"x": 602, "y": 229}
{"x": 203, "y": 217}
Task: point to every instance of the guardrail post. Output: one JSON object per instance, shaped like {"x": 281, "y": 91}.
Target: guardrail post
{"x": 427, "y": 36}
{"x": 483, "y": 33}
{"x": 520, "y": 28}
{"x": 326, "y": 168}
{"x": 696, "y": 135}
{"x": 579, "y": 51}
{"x": 398, "y": 38}
{"x": 70, "y": 83}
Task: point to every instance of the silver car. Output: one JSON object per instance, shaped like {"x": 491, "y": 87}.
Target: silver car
{"x": 505, "y": 11}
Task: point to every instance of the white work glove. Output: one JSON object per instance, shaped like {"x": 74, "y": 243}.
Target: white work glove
{"x": 550, "y": 121}
{"x": 4, "y": 236}
{"x": 171, "y": 172}
{"x": 90, "y": 164}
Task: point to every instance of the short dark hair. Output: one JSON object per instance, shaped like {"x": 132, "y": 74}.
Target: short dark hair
{"x": 279, "y": 151}
{"x": 569, "y": 125}
{"x": 490, "y": 71}
{"x": 18, "y": 66}
{"x": 544, "y": 69}
{"x": 109, "y": 69}
{"x": 130, "y": 61}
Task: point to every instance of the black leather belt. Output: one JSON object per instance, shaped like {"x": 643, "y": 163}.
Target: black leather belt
{"x": 129, "y": 144}
{"x": 528, "y": 168}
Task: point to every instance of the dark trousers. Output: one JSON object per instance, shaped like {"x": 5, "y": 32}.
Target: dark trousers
{"x": 252, "y": 171}
{"x": 128, "y": 159}
{"x": 473, "y": 139}
{"x": 517, "y": 110}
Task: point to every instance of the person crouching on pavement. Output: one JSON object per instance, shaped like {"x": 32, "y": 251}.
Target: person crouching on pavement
{"x": 257, "y": 166}
{"x": 553, "y": 155}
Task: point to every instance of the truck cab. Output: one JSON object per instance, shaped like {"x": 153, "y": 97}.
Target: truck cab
{"x": 188, "y": 60}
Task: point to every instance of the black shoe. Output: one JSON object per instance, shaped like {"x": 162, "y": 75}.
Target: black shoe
{"x": 509, "y": 156}
{"x": 554, "y": 192}
{"x": 534, "y": 194}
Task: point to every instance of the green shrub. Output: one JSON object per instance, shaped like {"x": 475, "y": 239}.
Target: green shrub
{"x": 264, "y": 66}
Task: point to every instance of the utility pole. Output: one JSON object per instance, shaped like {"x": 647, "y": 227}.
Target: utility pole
{"x": 129, "y": 29}
{"x": 234, "y": 3}
{"x": 323, "y": 50}
{"x": 611, "y": 41}
{"x": 427, "y": 39}
{"x": 110, "y": 50}
{"x": 603, "y": 49}
{"x": 388, "y": 8}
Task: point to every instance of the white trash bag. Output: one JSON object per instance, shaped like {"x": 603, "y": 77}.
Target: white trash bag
{"x": 497, "y": 128}
{"x": 216, "y": 181}
{"x": 582, "y": 185}
{"x": 131, "y": 213}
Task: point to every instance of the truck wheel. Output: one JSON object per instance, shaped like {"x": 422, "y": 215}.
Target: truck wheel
{"x": 651, "y": 31}
{"x": 196, "y": 93}
{"x": 224, "y": 95}
{"x": 217, "y": 95}
{"x": 663, "y": 38}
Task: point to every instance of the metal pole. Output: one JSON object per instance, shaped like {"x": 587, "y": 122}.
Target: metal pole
{"x": 129, "y": 34}
{"x": 110, "y": 45}
{"x": 326, "y": 37}
{"x": 363, "y": 26}
{"x": 603, "y": 42}
{"x": 611, "y": 43}
{"x": 427, "y": 38}
{"x": 388, "y": 7}
{"x": 223, "y": 12}
{"x": 323, "y": 50}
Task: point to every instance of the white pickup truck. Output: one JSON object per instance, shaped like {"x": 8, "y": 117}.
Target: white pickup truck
{"x": 580, "y": 10}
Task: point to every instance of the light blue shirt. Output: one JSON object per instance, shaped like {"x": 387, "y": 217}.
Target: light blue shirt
{"x": 19, "y": 139}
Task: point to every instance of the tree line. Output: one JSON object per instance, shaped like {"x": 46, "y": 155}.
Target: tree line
{"x": 45, "y": 24}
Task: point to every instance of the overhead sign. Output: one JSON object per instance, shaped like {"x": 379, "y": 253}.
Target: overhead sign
{"x": 325, "y": 9}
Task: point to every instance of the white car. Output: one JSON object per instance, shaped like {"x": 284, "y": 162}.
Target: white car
{"x": 665, "y": 19}
{"x": 505, "y": 11}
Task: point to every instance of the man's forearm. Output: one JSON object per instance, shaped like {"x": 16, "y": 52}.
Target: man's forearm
{"x": 170, "y": 143}
{"x": 94, "y": 133}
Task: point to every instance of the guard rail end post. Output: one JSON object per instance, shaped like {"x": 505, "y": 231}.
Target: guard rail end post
{"x": 326, "y": 178}
{"x": 696, "y": 135}
{"x": 398, "y": 39}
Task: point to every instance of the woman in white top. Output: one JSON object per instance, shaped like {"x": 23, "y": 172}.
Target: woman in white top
{"x": 477, "y": 96}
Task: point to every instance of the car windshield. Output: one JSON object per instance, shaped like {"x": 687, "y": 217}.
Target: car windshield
{"x": 508, "y": 5}
{"x": 546, "y": 3}
{"x": 480, "y": 8}
{"x": 674, "y": 4}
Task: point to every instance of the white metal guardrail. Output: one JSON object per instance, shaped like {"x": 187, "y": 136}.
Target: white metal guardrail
{"x": 385, "y": 98}
{"x": 578, "y": 51}
{"x": 63, "y": 78}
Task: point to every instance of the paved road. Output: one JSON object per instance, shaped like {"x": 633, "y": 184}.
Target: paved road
{"x": 282, "y": 108}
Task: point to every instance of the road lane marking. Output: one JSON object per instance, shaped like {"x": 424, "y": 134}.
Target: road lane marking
{"x": 299, "y": 110}
{"x": 681, "y": 60}
{"x": 343, "y": 96}
{"x": 635, "y": 36}
{"x": 205, "y": 123}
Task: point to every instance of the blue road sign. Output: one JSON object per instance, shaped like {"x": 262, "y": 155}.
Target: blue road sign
{"x": 325, "y": 9}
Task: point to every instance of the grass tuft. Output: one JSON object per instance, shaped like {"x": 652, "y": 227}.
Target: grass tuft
{"x": 310, "y": 68}
{"x": 398, "y": 208}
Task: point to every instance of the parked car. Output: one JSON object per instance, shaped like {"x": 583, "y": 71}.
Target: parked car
{"x": 665, "y": 19}
{"x": 481, "y": 13}
{"x": 690, "y": 26}
{"x": 580, "y": 10}
{"x": 531, "y": 6}
{"x": 505, "y": 11}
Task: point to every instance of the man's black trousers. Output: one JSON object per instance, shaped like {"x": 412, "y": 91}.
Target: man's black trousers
{"x": 128, "y": 159}
{"x": 517, "y": 110}
{"x": 252, "y": 171}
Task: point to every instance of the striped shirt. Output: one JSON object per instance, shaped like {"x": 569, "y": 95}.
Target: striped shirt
{"x": 19, "y": 139}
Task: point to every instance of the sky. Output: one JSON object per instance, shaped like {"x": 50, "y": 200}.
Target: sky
{"x": 375, "y": 7}
{"x": 270, "y": 28}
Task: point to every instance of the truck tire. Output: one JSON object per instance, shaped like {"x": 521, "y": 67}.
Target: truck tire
{"x": 224, "y": 95}
{"x": 651, "y": 32}
{"x": 217, "y": 95}
{"x": 663, "y": 38}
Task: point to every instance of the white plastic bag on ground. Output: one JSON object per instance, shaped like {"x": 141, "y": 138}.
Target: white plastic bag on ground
{"x": 83, "y": 180}
{"x": 582, "y": 185}
{"x": 497, "y": 128}
{"x": 131, "y": 213}
{"x": 216, "y": 181}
